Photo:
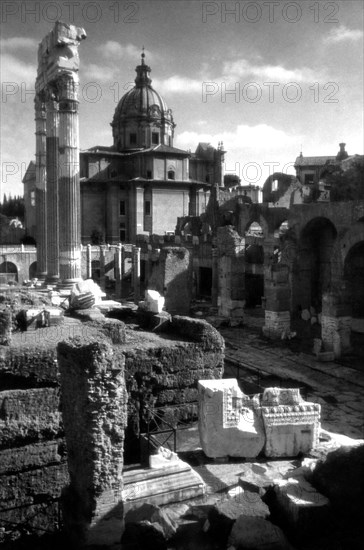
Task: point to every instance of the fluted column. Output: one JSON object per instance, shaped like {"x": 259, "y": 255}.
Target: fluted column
{"x": 52, "y": 188}
{"x": 117, "y": 268}
{"x": 136, "y": 273}
{"x": 41, "y": 185}
{"x": 69, "y": 182}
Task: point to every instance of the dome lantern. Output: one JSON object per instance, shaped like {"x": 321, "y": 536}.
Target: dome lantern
{"x": 142, "y": 118}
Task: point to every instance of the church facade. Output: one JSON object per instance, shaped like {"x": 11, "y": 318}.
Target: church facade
{"x": 142, "y": 184}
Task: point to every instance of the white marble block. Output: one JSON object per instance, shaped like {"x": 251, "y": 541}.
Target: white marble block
{"x": 230, "y": 422}
{"x": 291, "y": 424}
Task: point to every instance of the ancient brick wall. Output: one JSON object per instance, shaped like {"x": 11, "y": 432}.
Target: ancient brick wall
{"x": 164, "y": 371}
{"x": 33, "y": 468}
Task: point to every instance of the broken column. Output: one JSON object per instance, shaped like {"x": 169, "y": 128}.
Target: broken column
{"x": 231, "y": 280}
{"x": 229, "y": 423}
{"x": 52, "y": 186}
{"x": 136, "y": 273}
{"x": 336, "y": 322}
{"x": 277, "y": 293}
{"x": 41, "y": 184}
{"x": 94, "y": 408}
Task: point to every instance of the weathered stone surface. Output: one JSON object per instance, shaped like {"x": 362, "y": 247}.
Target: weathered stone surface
{"x": 300, "y": 505}
{"x": 154, "y": 515}
{"x": 222, "y": 516}
{"x": 5, "y": 327}
{"x": 94, "y": 402}
{"x": 173, "y": 483}
{"x": 112, "y": 328}
{"x": 29, "y": 415}
{"x": 33, "y": 486}
{"x": 340, "y": 478}
{"x": 31, "y": 456}
{"x": 229, "y": 422}
{"x": 291, "y": 424}
{"x": 254, "y": 533}
{"x": 257, "y": 477}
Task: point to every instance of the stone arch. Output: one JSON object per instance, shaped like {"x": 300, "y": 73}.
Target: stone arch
{"x": 33, "y": 270}
{"x": 10, "y": 270}
{"x": 313, "y": 264}
{"x": 352, "y": 254}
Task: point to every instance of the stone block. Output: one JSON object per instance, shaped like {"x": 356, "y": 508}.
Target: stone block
{"x": 30, "y": 414}
{"x": 257, "y": 534}
{"x": 291, "y": 424}
{"x": 167, "y": 484}
{"x": 224, "y": 514}
{"x": 154, "y": 302}
{"x": 31, "y": 456}
{"x": 229, "y": 422}
{"x": 301, "y": 506}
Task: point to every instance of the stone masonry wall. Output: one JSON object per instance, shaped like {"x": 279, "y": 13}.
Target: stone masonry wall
{"x": 33, "y": 468}
{"x": 164, "y": 373}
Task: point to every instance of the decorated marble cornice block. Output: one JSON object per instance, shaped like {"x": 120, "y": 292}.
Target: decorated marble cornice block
{"x": 291, "y": 424}
{"x": 230, "y": 422}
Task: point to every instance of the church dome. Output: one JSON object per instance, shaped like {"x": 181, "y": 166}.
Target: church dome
{"x": 142, "y": 118}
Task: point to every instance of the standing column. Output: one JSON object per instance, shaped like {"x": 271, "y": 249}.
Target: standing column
{"x": 136, "y": 273}
{"x": 102, "y": 266}
{"x": 117, "y": 270}
{"x": 41, "y": 186}
{"x": 215, "y": 277}
{"x": 69, "y": 182}
{"x": 89, "y": 261}
{"x": 52, "y": 187}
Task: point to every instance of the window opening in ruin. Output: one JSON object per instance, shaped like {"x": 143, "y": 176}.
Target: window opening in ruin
{"x": 205, "y": 282}
{"x": 171, "y": 174}
{"x": 133, "y": 139}
{"x": 122, "y": 208}
{"x": 309, "y": 179}
{"x": 147, "y": 208}
{"x": 122, "y": 232}
{"x": 155, "y": 138}
{"x": 149, "y": 174}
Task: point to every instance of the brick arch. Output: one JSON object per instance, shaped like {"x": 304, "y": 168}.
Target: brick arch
{"x": 353, "y": 236}
{"x": 261, "y": 221}
{"x": 8, "y": 267}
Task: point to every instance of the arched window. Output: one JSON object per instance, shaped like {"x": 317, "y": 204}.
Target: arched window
{"x": 171, "y": 175}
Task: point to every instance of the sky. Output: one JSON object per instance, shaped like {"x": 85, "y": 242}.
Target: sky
{"x": 267, "y": 78}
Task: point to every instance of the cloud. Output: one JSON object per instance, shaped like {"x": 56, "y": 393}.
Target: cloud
{"x": 250, "y": 150}
{"x": 17, "y": 43}
{"x": 341, "y": 34}
{"x": 17, "y": 71}
{"x": 243, "y": 68}
{"x": 130, "y": 51}
{"x": 98, "y": 73}
{"x": 177, "y": 84}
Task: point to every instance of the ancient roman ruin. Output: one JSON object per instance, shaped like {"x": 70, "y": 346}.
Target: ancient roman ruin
{"x": 122, "y": 425}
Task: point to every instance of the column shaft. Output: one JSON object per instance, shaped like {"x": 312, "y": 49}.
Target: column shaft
{"x": 52, "y": 191}
{"x": 41, "y": 186}
{"x": 69, "y": 183}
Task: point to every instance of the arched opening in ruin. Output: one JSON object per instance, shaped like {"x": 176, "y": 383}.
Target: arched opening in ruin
{"x": 254, "y": 265}
{"x": 313, "y": 270}
{"x": 354, "y": 276}
{"x": 8, "y": 272}
{"x": 33, "y": 270}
